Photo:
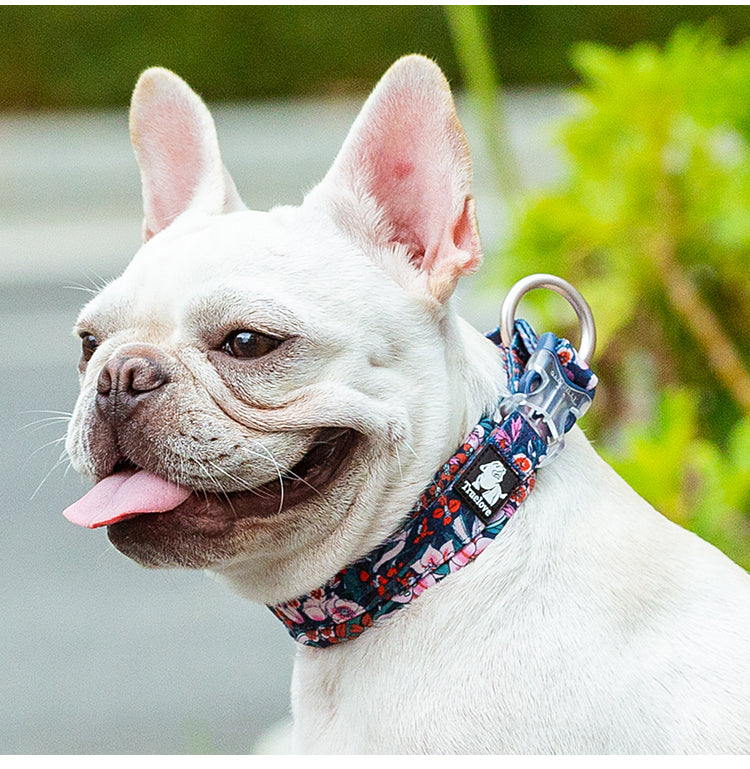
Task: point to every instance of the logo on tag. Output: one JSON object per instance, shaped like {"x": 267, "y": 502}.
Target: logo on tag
{"x": 486, "y": 483}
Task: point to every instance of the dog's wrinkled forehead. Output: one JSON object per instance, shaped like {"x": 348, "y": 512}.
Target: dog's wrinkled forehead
{"x": 277, "y": 271}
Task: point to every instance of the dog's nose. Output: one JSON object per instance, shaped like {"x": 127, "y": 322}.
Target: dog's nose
{"x": 129, "y": 377}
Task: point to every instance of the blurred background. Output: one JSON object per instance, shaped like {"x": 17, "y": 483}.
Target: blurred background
{"x": 611, "y": 146}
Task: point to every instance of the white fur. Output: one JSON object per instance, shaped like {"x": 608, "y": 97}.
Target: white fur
{"x": 591, "y": 625}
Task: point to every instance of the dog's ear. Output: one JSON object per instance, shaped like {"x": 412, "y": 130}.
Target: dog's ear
{"x": 175, "y": 143}
{"x": 407, "y": 154}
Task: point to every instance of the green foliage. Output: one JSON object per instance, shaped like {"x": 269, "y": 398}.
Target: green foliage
{"x": 81, "y": 55}
{"x": 652, "y": 224}
{"x": 659, "y": 146}
{"x": 687, "y": 477}
{"x": 468, "y": 25}
{"x": 90, "y": 55}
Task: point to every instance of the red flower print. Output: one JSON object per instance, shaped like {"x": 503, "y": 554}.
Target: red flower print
{"x": 522, "y": 462}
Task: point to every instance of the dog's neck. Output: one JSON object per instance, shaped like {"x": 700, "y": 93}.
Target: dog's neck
{"x": 469, "y": 501}
{"x": 477, "y": 377}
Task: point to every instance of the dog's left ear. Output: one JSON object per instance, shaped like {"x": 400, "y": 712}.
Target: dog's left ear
{"x": 407, "y": 154}
{"x": 175, "y": 143}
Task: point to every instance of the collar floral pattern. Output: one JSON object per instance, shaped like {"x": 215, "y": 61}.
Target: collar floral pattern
{"x": 449, "y": 526}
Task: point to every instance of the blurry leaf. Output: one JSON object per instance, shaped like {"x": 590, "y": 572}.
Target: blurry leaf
{"x": 652, "y": 217}
{"x": 688, "y": 478}
{"x": 652, "y": 455}
{"x": 613, "y": 302}
{"x": 722, "y": 501}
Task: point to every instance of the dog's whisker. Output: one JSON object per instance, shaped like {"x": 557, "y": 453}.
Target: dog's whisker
{"x": 224, "y": 493}
{"x": 243, "y": 484}
{"x": 278, "y": 472}
{"x": 48, "y": 411}
{"x": 86, "y": 289}
{"x": 206, "y": 473}
{"x": 63, "y": 458}
{"x": 42, "y": 422}
{"x": 46, "y": 445}
{"x": 330, "y": 441}
{"x": 216, "y": 484}
{"x": 411, "y": 449}
{"x": 292, "y": 476}
{"x": 46, "y": 420}
{"x": 398, "y": 459}
{"x": 99, "y": 284}
{"x": 40, "y": 425}
{"x": 106, "y": 553}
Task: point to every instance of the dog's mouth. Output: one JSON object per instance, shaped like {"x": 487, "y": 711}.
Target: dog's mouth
{"x": 131, "y": 491}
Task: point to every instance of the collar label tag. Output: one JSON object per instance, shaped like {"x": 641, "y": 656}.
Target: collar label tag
{"x": 486, "y": 483}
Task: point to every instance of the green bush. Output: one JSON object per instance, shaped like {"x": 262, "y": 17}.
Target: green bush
{"x": 90, "y": 55}
{"x": 652, "y": 223}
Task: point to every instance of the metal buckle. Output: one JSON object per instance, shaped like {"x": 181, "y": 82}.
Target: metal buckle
{"x": 547, "y": 399}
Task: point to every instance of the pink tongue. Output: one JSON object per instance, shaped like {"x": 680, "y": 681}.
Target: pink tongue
{"x": 123, "y": 495}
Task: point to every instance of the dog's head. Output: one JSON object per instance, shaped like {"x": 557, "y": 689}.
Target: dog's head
{"x": 266, "y": 394}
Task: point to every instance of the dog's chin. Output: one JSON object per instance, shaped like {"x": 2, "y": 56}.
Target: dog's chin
{"x": 210, "y": 528}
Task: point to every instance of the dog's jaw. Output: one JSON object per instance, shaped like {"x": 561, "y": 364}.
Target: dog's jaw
{"x": 212, "y": 527}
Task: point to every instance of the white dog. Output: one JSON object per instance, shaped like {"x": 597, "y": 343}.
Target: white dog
{"x": 266, "y": 395}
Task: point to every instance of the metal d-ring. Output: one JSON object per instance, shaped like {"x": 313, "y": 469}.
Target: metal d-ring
{"x": 562, "y": 287}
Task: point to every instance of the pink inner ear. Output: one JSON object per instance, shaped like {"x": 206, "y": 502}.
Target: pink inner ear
{"x": 464, "y": 232}
{"x": 173, "y": 166}
{"x": 409, "y": 152}
{"x": 408, "y": 176}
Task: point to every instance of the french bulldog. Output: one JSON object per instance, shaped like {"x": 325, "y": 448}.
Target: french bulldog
{"x": 264, "y": 395}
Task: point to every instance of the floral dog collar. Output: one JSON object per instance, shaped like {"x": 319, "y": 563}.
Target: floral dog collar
{"x": 469, "y": 501}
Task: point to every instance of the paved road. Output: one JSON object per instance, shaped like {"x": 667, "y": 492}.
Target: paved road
{"x": 96, "y": 654}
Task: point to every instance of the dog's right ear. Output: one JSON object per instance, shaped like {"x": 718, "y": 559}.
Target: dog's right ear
{"x": 177, "y": 149}
{"x": 402, "y": 181}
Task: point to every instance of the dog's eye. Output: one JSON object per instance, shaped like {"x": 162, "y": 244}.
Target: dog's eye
{"x": 89, "y": 344}
{"x": 249, "y": 344}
